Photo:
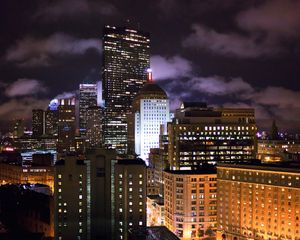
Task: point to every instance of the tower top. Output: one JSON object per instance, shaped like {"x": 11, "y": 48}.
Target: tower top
{"x": 150, "y": 77}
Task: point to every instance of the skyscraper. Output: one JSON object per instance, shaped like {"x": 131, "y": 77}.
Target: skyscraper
{"x": 17, "y": 128}
{"x": 126, "y": 57}
{"x": 94, "y": 118}
{"x": 51, "y": 118}
{"x": 38, "y": 122}
{"x": 150, "y": 110}
{"x": 66, "y": 125}
{"x": 87, "y": 98}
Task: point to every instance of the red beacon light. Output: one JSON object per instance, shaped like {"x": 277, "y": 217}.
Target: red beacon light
{"x": 150, "y": 78}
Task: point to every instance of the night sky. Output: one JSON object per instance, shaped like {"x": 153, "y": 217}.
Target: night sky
{"x": 225, "y": 52}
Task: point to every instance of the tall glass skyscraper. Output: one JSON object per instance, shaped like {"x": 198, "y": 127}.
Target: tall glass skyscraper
{"x": 87, "y": 98}
{"x": 126, "y": 58}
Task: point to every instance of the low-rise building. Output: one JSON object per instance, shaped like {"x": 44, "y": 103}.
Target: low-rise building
{"x": 191, "y": 202}
{"x": 155, "y": 210}
{"x": 258, "y": 201}
{"x": 13, "y": 173}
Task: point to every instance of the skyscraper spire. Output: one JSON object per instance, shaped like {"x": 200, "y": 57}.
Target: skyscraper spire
{"x": 150, "y": 78}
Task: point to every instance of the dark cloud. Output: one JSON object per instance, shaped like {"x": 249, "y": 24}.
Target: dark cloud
{"x": 277, "y": 18}
{"x": 216, "y": 85}
{"x": 277, "y": 96}
{"x": 33, "y": 52}
{"x": 24, "y": 87}
{"x": 62, "y": 9}
{"x": 170, "y": 67}
{"x": 269, "y": 102}
{"x": 16, "y": 108}
{"x": 263, "y": 29}
{"x": 228, "y": 44}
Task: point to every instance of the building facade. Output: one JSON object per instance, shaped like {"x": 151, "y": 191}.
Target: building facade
{"x": 38, "y": 122}
{"x": 66, "y": 125}
{"x": 17, "y": 128}
{"x": 130, "y": 196}
{"x": 190, "y": 201}
{"x": 94, "y": 119}
{"x": 150, "y": 110}
{"x": 26, "y": 209}
{"x": 278, "y": 150}
{"x": 201, "y": 134}
{"x": 13, "y": 173}
{"x": 258, "y": 201}
{"x": 71, "y": 212}
{"x": 155, "y": 210}
{"x": 87, "y": 98}
{"x": 51, "y": 118}
{"x": 100, "y": 163}
{"x": 126, "y": 57}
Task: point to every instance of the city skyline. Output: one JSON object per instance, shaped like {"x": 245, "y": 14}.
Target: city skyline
{"x": 167, "y": 119}
{"x": 233, "y": 53}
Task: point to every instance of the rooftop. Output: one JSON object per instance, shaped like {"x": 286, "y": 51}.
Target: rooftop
{"x": 152, "y": 233}
{"x": 157, "y": 198}
{"x": 136, "y": 161}
{"x": 151, "y": 88}
{"x": 256, "y": 165}
{"x": 209, "y": 169}
{"x": 194, "y": 105}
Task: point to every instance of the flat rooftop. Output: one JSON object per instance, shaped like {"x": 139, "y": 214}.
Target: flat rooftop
{"x": 278, "y": 167}
{"x": 200, "y": 170}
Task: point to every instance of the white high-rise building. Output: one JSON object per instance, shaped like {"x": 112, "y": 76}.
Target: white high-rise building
{"x": 150, "y": 110}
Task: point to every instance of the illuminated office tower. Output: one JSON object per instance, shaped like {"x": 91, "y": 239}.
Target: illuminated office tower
{"x": 71, "y": 199}
{"x": 94, "y": 118}
{"x": 150, "y": 110}
{"x": 87, "y": 98}
{"x": 66, "y": 125}
{"x": 126, "y": 58}
{"x": 38, "y": 122}
{"x": 51, "y": 118}
{"x": 130, "y": 196}
{"x": 191, "y": 202}
{"x": 201, "y": 134}
{"x": 258, "y": 201}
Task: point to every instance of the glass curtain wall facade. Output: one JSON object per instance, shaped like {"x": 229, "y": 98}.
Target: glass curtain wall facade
{"x": 126, "y": 59}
